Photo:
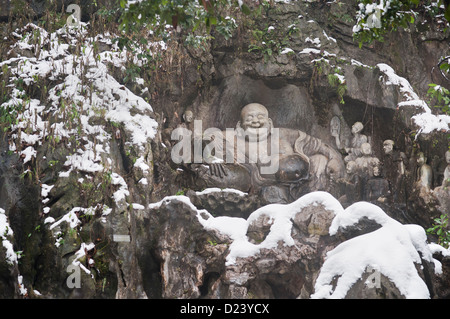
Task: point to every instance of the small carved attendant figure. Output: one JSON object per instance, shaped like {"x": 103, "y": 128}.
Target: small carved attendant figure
{"x": 388, "y": 146}
{"x": 188, "y": 116}
{"x": 367, "y": 163}
{"x": 424, "y": 172}
{"x": 353, "y": 187}
{"x": 395, "y": 170}
{"x": 397, "y": 157}
{"x": 446, "y": 181}
{"x": 358, "y": 139}
{"x": 335, "y": 129}
{"x": 442, "y": 192}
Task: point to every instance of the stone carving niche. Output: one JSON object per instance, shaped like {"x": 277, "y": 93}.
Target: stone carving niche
{"x": 272, "y": 164}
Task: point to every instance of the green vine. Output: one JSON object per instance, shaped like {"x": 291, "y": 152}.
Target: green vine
{"x": 440, "y": 96}
{"x": 440, "y": 228}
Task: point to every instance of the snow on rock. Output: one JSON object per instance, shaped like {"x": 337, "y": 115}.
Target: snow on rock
{"x": 138, "y": 206}
{"x": 5, "y": 232}
{"x": 122, "y": 192}
{"x": 82, "y": 96}
{"x": 46, "y": 190}
{"x": 393, "y": 250}
{"x": 426, "y": 121}
{"x": 22, "y": 290}
{"x": 71, "y": 218}
{"x": 281, "y": 215}
{"x": 84, "y": 161}
{"x": 140, "y": 163}
{"x": 435, "y": 248}
{"x": 180, "y": 198}
{"x": 221, "y": 190}
{"x": 85, "y": 90}
{"x": 28, "y": 153}
{"x": 80, "y": 254}
{"x": 286, "y": 51}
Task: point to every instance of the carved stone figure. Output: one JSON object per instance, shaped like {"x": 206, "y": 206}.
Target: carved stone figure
{"x": 303, "y": 161}
{"x": 352, "y": 186}
{"x": 364, "y": 181}
{"x": 335, "y": 130}
{"x": 446, "y": 180}
{"x": 424, "y": 172}
{"x": 388, "y": 146}
{"x": 350, "y": 168}
{"x": 422, "y": 197}
{"x": 394, "y": 169}
{"x": 358, "y": 139}
{"x": 442, "y": 192}
{"x": 366, "y": 163}
{"x": 376, "y": 188}
{"x": 188, "y": 116}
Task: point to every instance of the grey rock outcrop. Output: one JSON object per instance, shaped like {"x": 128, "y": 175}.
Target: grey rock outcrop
{"x": 198, "y": 258}
{"x": 94, "y": 187}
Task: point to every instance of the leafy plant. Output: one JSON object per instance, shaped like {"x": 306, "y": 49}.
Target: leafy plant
{"x": 270, "y": 40}
{"x": 330, "y": 68}
{"x": 440, "y": 228}
{"x": 376, "y": 20}
{"x": 441, "y": 96}
{"x": 444, "y": 67}
{"x": 183, "y": 15}
{"x": 212, "y": 242}
{"x": 9, "y": 115}
{"x": 336, "y": 80}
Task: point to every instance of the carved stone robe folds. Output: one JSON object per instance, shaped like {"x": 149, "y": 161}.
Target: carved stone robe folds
{"x": 301, "y": 157}
{"x": 303, "y": 164}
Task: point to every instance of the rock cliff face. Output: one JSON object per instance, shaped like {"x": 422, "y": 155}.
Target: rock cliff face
{"x": 92, "y": 204}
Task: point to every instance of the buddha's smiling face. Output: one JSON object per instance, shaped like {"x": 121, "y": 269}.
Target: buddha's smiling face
{"x": 255, "y": 116}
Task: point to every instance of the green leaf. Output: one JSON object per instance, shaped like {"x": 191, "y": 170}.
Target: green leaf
{"x": 444, "y": 66}
{"x": 245, "y": 9}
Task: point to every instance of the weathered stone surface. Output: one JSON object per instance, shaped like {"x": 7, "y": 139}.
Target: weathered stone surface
{"x": 198, "y": 268}
{"x": 190, "y": 258}
{"x": 170, "y": 254}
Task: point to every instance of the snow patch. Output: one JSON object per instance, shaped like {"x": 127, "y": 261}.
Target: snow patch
{"x": 220, "y": 190}
{"x": 426, "y": 121}
{"x": 281, "y": 216}
{"x": 5, "y": 232}
{"x": 393, "y": 250}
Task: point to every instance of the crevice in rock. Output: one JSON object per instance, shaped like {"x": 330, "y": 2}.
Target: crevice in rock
{"x": 208, "y": 280}
{"x": 122, "y": 276}
{"x": 151, "y": 269}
